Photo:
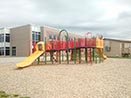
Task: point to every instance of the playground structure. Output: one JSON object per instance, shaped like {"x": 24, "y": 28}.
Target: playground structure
{"x": 92, "y": 49}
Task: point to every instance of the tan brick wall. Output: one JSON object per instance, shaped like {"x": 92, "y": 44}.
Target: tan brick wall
{"x": 116, "y": 47}
{"x": 47, "y": 31}
{"x": 20, "y": 37}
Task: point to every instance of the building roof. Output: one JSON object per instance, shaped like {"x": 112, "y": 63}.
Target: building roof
{"x": 118, "y": 40}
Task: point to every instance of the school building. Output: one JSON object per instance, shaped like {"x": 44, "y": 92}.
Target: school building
{"x": 19, "y": 41}
{"x": 115, "y": 47}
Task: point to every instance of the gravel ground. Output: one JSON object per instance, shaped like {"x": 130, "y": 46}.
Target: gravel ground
{"x": 110, "y": 79}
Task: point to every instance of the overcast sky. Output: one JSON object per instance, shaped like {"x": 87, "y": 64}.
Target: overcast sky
{"x": 112, "y": 18}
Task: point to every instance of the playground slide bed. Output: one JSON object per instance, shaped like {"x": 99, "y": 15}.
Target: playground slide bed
{"x": 110, "y": 79}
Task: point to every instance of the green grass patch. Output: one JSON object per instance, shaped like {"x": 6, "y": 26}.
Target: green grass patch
{"x": 3, "y": 94}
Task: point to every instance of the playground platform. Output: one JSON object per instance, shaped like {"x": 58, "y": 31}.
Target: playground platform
{"x": 91, "y": 47}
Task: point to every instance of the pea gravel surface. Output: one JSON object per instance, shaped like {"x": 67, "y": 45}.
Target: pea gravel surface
{"x": 110, "y": 79}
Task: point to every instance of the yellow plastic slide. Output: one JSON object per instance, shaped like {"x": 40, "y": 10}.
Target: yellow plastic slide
{"x": 28, "y": 61}
{"x": 101, "y": 53}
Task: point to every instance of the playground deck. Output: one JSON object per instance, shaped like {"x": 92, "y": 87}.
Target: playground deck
{"x": 110, "y": 79}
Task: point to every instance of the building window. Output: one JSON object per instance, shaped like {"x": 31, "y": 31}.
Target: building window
{"x": 1, "y": 37}
{"x": 13, "y": 51}
{"x": 52, "y": 37}
{"x": 35, "y": 36}
{"x": 108, "y": 49}
{"x": 1, "y": 51}
{"x": 7, "y": 51}
{"x": 7, "y": 37}
{"x": 107, "y": 46}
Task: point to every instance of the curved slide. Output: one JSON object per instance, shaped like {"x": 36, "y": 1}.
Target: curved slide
{"x": 29, "y": 60}
{"x": 101, "y": 53}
